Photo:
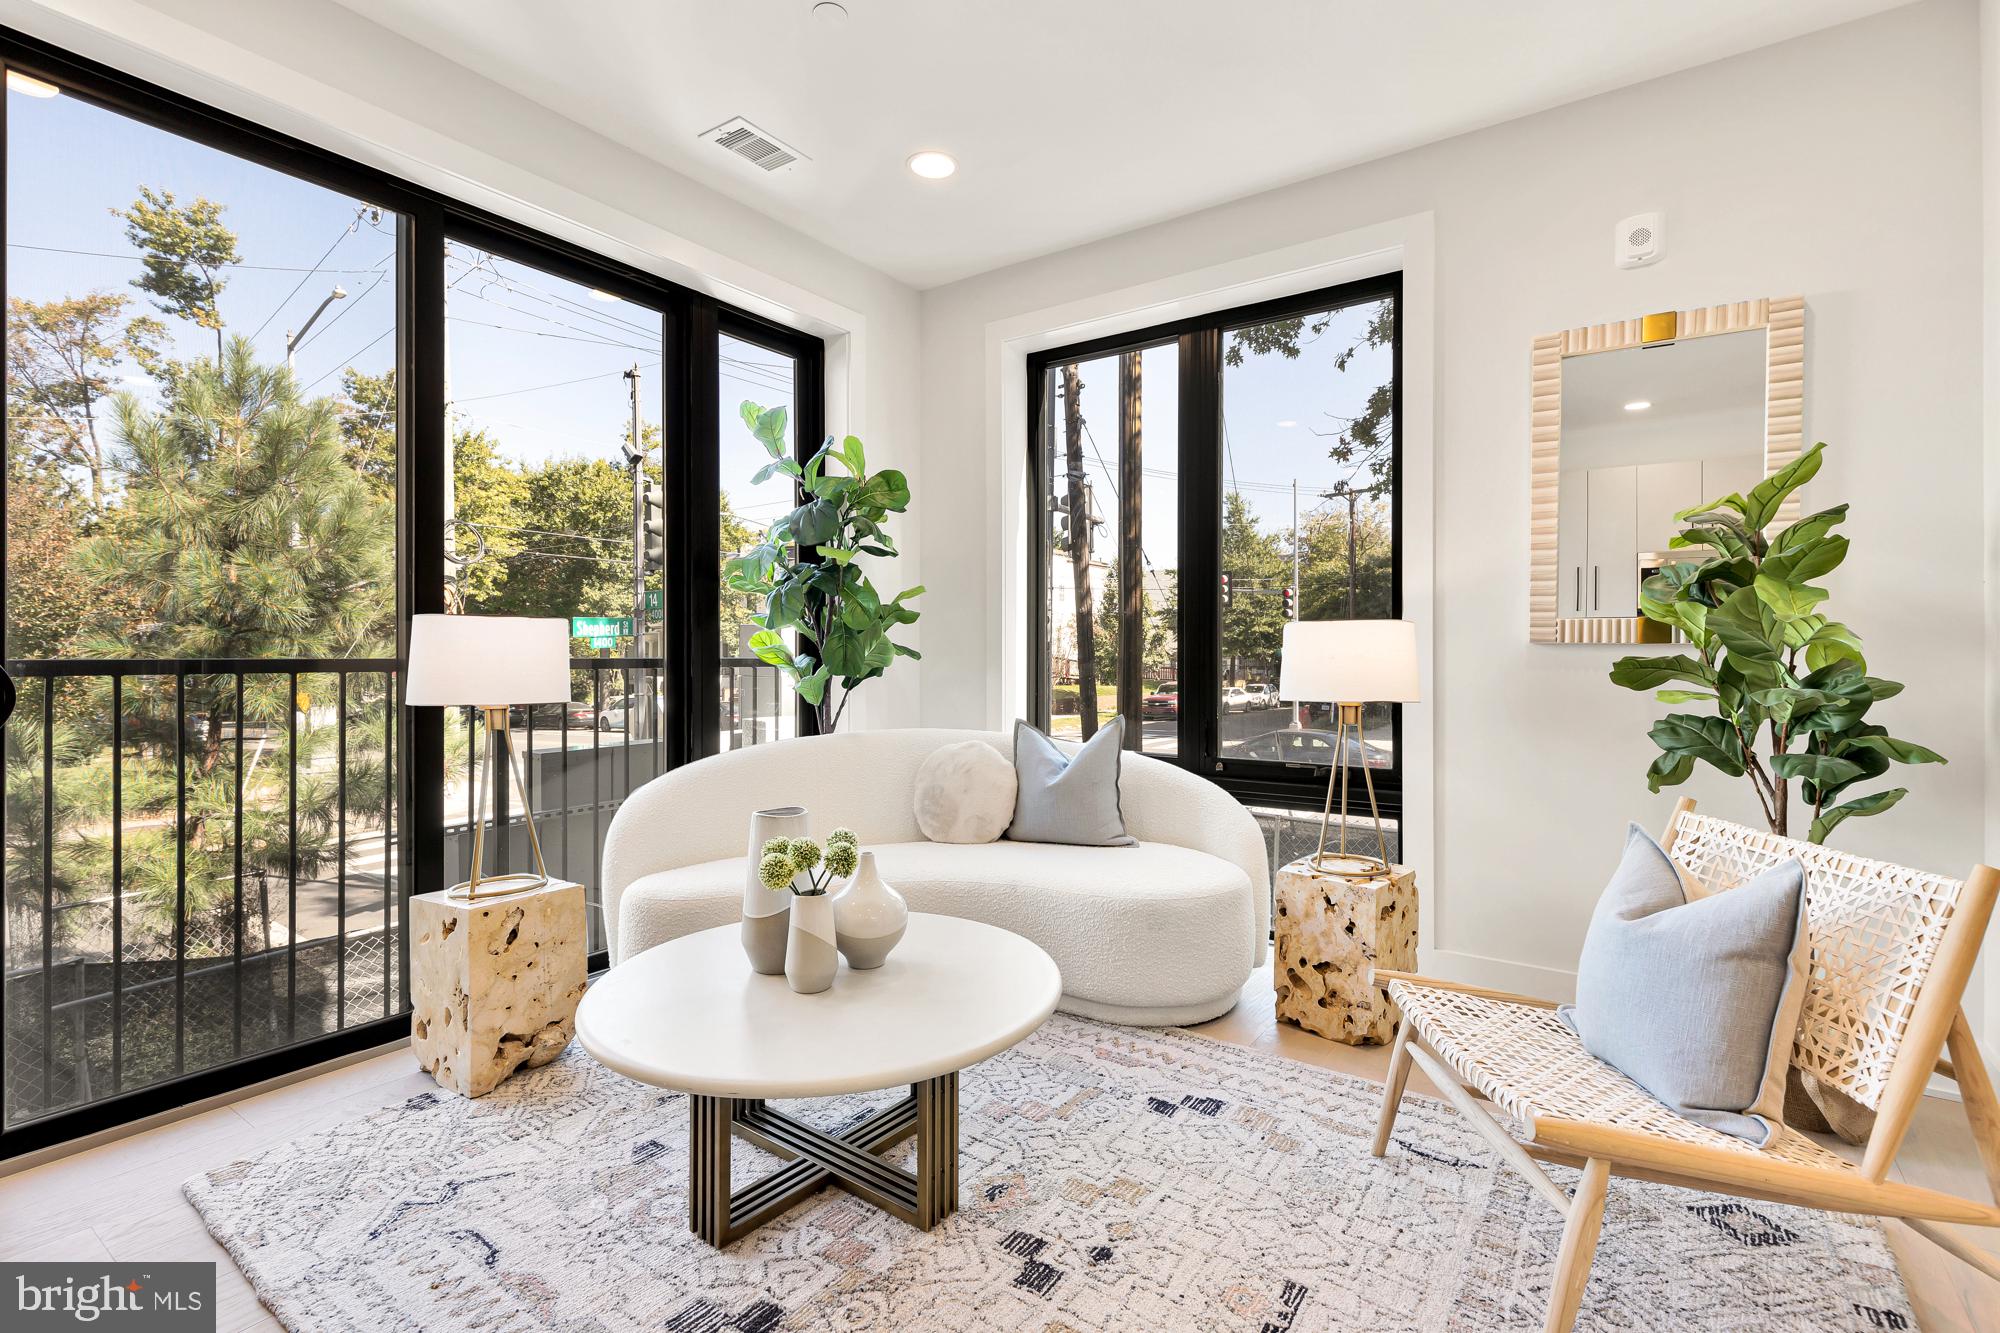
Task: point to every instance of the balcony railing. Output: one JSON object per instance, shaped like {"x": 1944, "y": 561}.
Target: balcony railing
{"x": 201, "y": 856}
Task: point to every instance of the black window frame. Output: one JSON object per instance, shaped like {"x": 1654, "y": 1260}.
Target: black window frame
{"x": 427, "y": 218}
{"x": 1200, "y": 340}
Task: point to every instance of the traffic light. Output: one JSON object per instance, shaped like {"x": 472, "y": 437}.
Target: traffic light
{"x": 1225, "y": 592}
{"x": 656, "y": 526}
{"x": 1291, "y": 603}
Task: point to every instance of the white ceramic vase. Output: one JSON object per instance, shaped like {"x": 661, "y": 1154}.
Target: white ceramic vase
{"x": 766, "y": 911}
{"x": 810, "y": 960}
{"x": 869, "y": 917}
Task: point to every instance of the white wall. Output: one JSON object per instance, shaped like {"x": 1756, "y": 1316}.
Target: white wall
{"x": 324, "y": 74}
{"x": 1844, "y": 166}
{"x": 1989, "y": 62}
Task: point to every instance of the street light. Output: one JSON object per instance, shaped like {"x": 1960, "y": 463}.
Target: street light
{"x": 292, "y": 340}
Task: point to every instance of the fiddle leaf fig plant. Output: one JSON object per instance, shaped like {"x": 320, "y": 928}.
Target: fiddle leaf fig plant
{"x": 1771, "y": 666}
{"x": 806, "y": 569}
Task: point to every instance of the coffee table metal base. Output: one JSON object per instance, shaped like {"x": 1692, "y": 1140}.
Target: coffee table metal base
{"x": 852, "y": 1161}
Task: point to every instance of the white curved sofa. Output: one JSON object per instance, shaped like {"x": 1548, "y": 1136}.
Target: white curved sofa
{"x": 1164, "y": 932}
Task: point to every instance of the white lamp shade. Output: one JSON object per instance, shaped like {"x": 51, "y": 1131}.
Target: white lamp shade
{"x": 486, "y": 661}
{"x": 1349, "y": 662}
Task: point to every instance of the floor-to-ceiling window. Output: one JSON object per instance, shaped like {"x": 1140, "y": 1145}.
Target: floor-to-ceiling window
{"x": 758, "y": 412}
{"x": 554, "y": 399}
{"x": 1199, "y": 485}
{"x": 1110, "y": 431}
{"x": 202, "y": 461}
{"x": 262, "y": 405}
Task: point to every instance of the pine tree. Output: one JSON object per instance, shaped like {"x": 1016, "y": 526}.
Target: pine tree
{"x": 245, "y": 532}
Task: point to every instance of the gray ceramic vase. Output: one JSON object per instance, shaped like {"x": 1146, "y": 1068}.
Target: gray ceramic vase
{"x": 767, "y": 911}
{"x": 810, "y": 960}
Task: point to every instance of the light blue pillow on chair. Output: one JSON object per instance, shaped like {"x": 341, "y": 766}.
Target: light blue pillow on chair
{"x": 1696, "y": 998}
{"x": 1069, "y": 798}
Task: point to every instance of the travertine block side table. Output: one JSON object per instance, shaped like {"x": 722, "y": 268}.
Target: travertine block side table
{"x": 1331, "y": 934}
{"x": 494, "y": 984}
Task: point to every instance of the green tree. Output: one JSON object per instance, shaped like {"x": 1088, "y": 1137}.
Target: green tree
{"x": 368, "y": 424}
{"x": 1258, "y": 568}
{"x": 573, "y": 552}
{"x": 185, "y": 249}
{"x": 739, "y": 609}
{"x": 488, "y": 498}
{"x": 245, "y": 531}
{"x": 1323, "y": 564}
{"x": 62, "y": 357}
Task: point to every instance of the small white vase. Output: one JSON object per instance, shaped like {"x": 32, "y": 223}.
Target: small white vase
{"x": 869, "y": 917}
{"x": 765, "y": 910}
{"x": 810, "y": 960}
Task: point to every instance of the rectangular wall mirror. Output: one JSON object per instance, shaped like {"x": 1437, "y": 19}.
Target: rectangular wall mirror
{"x": 1635, "y": 422}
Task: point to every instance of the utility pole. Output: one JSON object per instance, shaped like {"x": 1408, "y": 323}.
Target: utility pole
{"x": 1344, "y": 490}
{"x": 1132, "y": 626}
{"x": 1296, "y": 589}
{"x": 292, "y": 340}
{"x": 635, "y": 457}
{"x": 1079, "y": 552}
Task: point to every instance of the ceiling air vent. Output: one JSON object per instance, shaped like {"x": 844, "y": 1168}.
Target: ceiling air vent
{"x": 765, "y": 151}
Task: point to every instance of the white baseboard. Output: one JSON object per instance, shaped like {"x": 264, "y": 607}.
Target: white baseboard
{"x": 1545, "y": 983}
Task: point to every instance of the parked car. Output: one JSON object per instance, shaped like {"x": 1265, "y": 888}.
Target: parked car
{"x": 1261, "y": 695}
{"x": 1164, "y": 702}
{"x": 1236, "y": 699}
{"x": 1304, "y": 745}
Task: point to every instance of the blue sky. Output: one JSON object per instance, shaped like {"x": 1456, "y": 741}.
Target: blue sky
{"x": 539, "y": 361}
{"x": 535, "y": 359}
{"x": 1271, "y": 408}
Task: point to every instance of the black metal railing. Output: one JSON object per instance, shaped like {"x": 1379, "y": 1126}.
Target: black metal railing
{"x": 203, "y": 858}
{"x": 153, "y": 810}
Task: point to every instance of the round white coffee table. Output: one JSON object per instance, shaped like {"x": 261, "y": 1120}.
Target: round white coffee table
{"x": 691, "y": 1015}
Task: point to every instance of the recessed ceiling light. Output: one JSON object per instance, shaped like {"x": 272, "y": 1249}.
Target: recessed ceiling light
{"x": 932, "y": 165}
{"x": 597, "y": 295}
{"x": 1638, "y": 405}
{"x": 18, "y": 82}
{"x": 1287, "y": 425}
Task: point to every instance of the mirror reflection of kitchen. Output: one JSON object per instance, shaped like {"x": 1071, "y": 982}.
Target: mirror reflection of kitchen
{"x": 1646, "y": 433}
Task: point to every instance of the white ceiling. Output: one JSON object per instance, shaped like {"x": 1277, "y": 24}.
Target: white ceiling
{"x": 1071, "y": 119}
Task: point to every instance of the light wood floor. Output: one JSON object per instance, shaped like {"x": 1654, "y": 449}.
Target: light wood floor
{"x": 122, "y": 1200}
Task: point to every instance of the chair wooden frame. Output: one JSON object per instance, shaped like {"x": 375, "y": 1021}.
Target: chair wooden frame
{"x": 1935, "y": 1023}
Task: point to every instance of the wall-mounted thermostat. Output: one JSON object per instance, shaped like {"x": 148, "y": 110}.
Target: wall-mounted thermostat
{"x": 1641, "y": 240}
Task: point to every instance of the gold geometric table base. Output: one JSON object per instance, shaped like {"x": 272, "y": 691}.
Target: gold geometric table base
{"x": 814, "y": 1160}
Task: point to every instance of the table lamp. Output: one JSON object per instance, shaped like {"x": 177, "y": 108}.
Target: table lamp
{"x": 1349, "y": 663}
{"x": 490, "y": 663}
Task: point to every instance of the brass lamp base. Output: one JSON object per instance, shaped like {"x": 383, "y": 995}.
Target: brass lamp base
{"x": 1343, "y": 864}
{"x": 500, "y": 755}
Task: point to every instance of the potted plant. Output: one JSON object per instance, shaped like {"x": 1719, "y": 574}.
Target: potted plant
{"x": 1770, "y": 665}
{"x": 807, "y": 574}
{"x": 806, "y": 870}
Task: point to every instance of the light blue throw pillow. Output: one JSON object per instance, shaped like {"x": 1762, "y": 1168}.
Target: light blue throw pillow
{"x": 1068, "y": 798}
{"x": 1696, "y": 998}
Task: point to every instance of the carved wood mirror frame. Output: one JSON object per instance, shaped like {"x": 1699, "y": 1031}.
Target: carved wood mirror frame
{"x": 1783, "y": 319}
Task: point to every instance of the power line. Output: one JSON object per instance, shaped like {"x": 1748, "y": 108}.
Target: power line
{"x": 345, "y": 232}
{"x": 348, "y": 360}
{"x": 140, "y": 259}
{"x": 537, "y": 388}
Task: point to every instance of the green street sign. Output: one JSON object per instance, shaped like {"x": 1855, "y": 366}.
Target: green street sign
{"x": 656, "y": 601}
{"x": 603, "y": 642}
{"x": 598, "y": 627}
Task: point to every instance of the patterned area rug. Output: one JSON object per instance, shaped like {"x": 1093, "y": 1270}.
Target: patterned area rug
{"x": 1113, "y": 1178}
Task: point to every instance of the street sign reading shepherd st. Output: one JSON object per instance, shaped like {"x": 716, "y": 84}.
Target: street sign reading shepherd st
{"x": 598, "y": 627}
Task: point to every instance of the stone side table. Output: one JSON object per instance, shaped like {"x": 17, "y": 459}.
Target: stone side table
{"x": 494, "y": 984}
{"x": 1331, "y": 934}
